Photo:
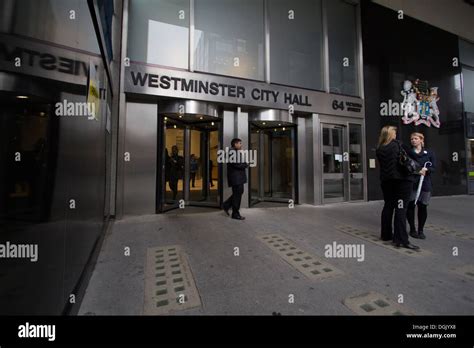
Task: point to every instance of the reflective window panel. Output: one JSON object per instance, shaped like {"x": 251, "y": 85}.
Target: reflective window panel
{"x": 342, "y": 38}
{"x": 158, "y": 32}
{"x": 52, "y": 21}
{"x": 296, "y": 43}
{"x": 468, "y": 89}
{"x": 229, "y": 38}
{"x": 466, "y": 52}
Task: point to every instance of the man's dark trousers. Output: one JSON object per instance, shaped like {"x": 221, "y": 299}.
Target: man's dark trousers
{"x": 236, "y": 178}
{"x": 235, "y": 199}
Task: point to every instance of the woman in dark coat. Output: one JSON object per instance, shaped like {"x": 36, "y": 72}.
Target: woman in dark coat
{"x": 422, "y": 155}
{"x": 396, "y": 187}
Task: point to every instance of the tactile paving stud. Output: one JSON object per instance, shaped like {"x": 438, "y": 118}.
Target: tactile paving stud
{"x": 373, "y": 303}
{"x": 308, "y": 264}
{"x": 169, "y": 283}
{"x": 370, "y": 237}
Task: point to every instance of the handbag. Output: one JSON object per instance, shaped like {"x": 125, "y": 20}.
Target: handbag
{"x": 409, "y": 165}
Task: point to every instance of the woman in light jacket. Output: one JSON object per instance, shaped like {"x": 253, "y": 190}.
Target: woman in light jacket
{"x": 422, "y": 155}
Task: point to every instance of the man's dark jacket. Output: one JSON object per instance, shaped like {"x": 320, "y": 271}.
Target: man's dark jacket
{"x": 236, "y": 174}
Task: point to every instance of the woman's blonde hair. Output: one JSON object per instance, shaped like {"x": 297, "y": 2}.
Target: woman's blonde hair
{"x": 387, "y": 134}
{"x": 419, "y": 135}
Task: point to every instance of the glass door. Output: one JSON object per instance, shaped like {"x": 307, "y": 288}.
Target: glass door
{"x": 356, "y": 165}
{"x": 281, "y": 158}
{"x": 333, "y": 163}
{"x": 203, "y": 165}
{"x": 172, "y": 163}
{"x": 198, "y": 190}
{"x": 255, "y": 179}
{"x": 273, "y": 178}
{"x": 28, "y": 128}
{"x": 214, "y": 167}
{"x": 189, "y": 174}
{"x": 343, "y": 169}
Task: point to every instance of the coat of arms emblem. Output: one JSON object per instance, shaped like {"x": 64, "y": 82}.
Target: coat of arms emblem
{"x": 419, "y": 103}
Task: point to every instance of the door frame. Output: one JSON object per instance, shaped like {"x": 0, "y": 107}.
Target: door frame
{"x": 260, "y": 167}
{"x": 345, "y": 164}
{"x": 207, "y": 171}
{"x": 161, "y": 207}
{"x": 346, "y": 122}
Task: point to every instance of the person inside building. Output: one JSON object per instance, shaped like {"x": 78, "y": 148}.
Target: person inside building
{"x": 396, "y": 188}
{"x": 176, "y": 170}
{"x": 167, "y": 167}
{"x": 236, "y": 178}
{"x": 426, "y": 159}
{"x": 193, "y": 168}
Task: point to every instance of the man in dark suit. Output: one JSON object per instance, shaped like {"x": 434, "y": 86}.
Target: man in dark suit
{"x": 236, "y": 178}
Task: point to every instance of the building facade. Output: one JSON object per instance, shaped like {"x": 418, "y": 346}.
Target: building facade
{"x": 392, "y": 55}
{"x": 284, "y": 76}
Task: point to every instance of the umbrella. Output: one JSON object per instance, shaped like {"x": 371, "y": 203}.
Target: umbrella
{"x": 418, "y": 191}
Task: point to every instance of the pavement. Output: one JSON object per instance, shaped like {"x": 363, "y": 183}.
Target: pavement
{"x": 235, "y": 272}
